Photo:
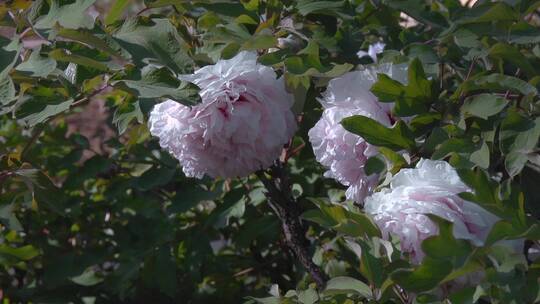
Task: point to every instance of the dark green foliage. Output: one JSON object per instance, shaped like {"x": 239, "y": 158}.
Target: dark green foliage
{"x": 99, "y": 218}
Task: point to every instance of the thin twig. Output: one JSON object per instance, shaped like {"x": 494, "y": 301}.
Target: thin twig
{"x": 508, "y": 91}
{"x": 441, "y": 75}
{"x": 33, "y": 139}
{"x": 469, "y": 72}
{"x": 143, "y": 10}
{"x": 35, "y": 31}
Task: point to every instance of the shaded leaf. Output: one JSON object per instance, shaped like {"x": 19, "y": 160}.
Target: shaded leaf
{"x": 423, "y": 278}
{"x": 116, "y": 11}
{"x": 35, "y": 112}
{"x": 160, "y": 83}
{"x": 396, "y": 138}
{"x": 73, "y": 15}
{"x": 87, "y": 278}
{"x": 343, "y": 285}
{"x": 156, "y": 39}
{"x": 484, "y": 105}
{"x": 37, "y": 65}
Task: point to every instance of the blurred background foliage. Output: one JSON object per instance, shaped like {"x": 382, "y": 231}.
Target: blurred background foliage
{"x": 93, "y": 211}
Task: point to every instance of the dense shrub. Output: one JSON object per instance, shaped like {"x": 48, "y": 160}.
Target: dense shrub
{"x": 412, "y": 176}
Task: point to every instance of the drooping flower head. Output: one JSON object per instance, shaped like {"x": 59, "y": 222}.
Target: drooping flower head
{"x": 431, "y": 188}
{"x": 240, "y": 126}
{"x": 342, "y": 152}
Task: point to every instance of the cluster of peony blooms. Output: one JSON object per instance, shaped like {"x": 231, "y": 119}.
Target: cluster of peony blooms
{"x": 245, "y": 119}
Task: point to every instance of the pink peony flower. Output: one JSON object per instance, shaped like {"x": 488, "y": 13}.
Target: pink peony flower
{"x": 240, "y": 126}
{"x": 342, "y": 152}
{"x": 431, "y": 188}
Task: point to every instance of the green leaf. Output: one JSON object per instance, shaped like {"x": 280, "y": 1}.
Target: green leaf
{"x": 387, "y": 89}
{"x": 368, "y": 227}
{"x": 233, "y": 205}
{"x": 316, "y": 216}
{"x": 417, "y": 81}
{"x": 260, "y": 41}
{"x": 484, "y": 105}
{"x": 466, "y": 38}
{"x": 258, "y": 229}
{"x": 230, "y": 50}
{"x": 125, "y": 114}
{"x": 298, "y": 86}
{"x": 374, "y": 165}
{"x": 481, "y": 156}
{"x": 69, "y": 16}
{"x": 37, "y": 65}
{"x": 526, "y": 142}
{"x": 370, "y": 266}
{"x": 495, "y": 81}
{"x": 509, "y": 53}
{"x": 345, "y": 285}
{"x": 417, "y": 10}
{"x": 116, "y": 11}
{"x": 34, "y": 112}
{"x": 424, "y": 122}
{"x": 472, "y": 265}
{"x": 515, "y": 162}
{"x": 340, "y": 219}
{"x": 160, "y": 83}
{"x": 505, "y": 230}
{"x": 484, "y": 189}
{"x": 518, "y": 138}
{"x": 423, "y": 278}
{"x": 524, "y": 33}
{"x": 445, "y": 246}
{"x": 308, "y": 296}
{"x": 190, "y": 196}
{"x": 397, "y": 138}
{"x": 87, "y": 278}
{"x": 24, "y": 253}
{"x": 87, "y": 38}
{"x": 7, "y": 90}
{"x": 410, "y": 99}
{"x": 156, "y": 39}
{"x": 165, "y": 272}
{"x": 9, "y": 52}
{"x": 464, "y": 296}
{"x": 512, "y": 126}
{"x": 64, "y": 56}
{"x": 160, "y": 270}
{"x": 455, "y": 145}
{"x": 8, "y": 217}
{"x": 155, "y": 177}
{"x": 397, "y": 159}
{"x": 306, "y": 7}
{"x": 267, "y": 300}
{"x": 498, "y": 12}
{"x": 489, "y": 12}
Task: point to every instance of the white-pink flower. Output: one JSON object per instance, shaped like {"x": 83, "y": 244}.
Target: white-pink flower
{"x": 431, "y": 188}
{"x": 342, "y": 152}
{"x": 373, "y": 51}
{"x": 240, "y": 126}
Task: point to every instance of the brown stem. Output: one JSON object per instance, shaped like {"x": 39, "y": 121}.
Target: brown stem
{"x": 286, "y": 208}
